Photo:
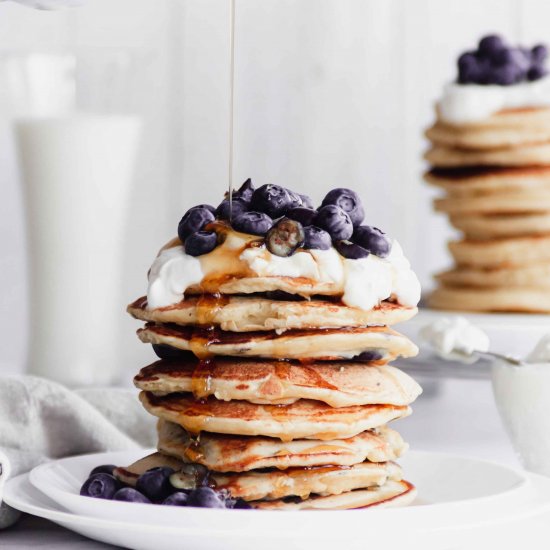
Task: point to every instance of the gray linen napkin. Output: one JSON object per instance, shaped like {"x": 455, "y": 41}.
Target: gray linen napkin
{"x": 41, "y": 420}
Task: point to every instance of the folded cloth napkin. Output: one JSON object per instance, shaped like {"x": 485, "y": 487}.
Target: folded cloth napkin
{"x": 41, "y": 420}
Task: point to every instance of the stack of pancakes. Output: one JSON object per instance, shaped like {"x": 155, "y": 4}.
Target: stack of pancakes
{"x": 496, "y": 176}
{"x": 284, "y": 397}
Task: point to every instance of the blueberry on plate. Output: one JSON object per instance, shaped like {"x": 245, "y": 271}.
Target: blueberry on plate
{"x": 285, "y": 237}
{"x": 194, "y": 220}
{"x": 306, "y": 201}
{"x": 273, "y": 200}
{"x": 168, "y": 352}
{"x": 227, "y": 210}
{"x": 244, "y": 192}
{"x": 129, "y": 494}
{"x": 302, "y": 214}
{"x": 351, "y": 250}
{"x": 100, "y": 486}
{"x": 155, "y": 483}
{"x": 372, "y": 239}
{"x": 348, "y": 201}
{"x": 316, "y": 238}
{"x": 205, "y": 497}
{"x": 179, "y": 498}
{"x": 254, "y": 223}
{"x": 335, "y": 221}
{"x": 200, "y": 242}
{"x": 103, "y": 469}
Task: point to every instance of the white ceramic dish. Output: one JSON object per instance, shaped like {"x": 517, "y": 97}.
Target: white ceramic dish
{"x": 461, "y": 500}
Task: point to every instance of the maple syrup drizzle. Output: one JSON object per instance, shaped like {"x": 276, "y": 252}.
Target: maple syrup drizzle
{"x": 201, "y": 379}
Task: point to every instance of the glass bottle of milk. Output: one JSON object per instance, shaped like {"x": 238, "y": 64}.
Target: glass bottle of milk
{"x": 76, "y": 155}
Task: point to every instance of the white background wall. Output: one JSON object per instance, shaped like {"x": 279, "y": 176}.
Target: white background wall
{"x": 328, "y": 93}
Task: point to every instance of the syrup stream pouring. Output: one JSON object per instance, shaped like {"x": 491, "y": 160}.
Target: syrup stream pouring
{"x": 231, "y": 101}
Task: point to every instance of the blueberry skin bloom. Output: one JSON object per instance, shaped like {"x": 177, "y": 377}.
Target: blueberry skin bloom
{"x": 348, "y": 201}
{"x": 100, "y": 486}
{"x": 316, "y": 238}
{"x": 253, "y": 223}
{"x": 200, "y": 242}
{"x": 155, "y": 483}
{"x": 372, "y": 239}
{"x": 225, "y": 211}
{"x": 103, "y": 469}
{"x": 205, "y": 497}
{"x": 273, "y": 200}
{"x": 335, "y": 221}
{"x": 244, "y": 192}
{"x": 128, "y": 494}
{"x": 351, "y": 251}
{"x": 302, "y": 214}
{"x": 179, "y": 498}
{"x": 194, "y": 220}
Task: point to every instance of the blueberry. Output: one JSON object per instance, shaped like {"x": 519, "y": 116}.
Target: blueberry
{"x": 539, "y": 53}
{"x": 468, "y": 68}
{"x": 244, "y": 192}
{"x": 350, "y": 250}
{"x": 103, "y": 469}
{"x": 285, "y": 237}
{"x": 372, "y": 239}
{"x": 505, "y": 75}
{"x": 128, "y": 494}
{"x": 155, "y": 483}
{"x": 254, "y": 223}
{"x": 100, "y": 486}
{"x": 168, "y": 352}
{"x": 316, "y": 238}
{"x": 205, "y": 497}
{"x": 520, "y": 59}
{"x": 194, "y": 220}
{"x": 335, "y": 221}
{"x": 179, "y": 498}
{"x": 502, "y": 57}
{"x": 536, "y": 72}
{"x": 223, "y": 211}
{"x": 296, "y": 199}
{"x": 348, "y": 201}
{"x": 241, "y": 504}
{"x": 306, "y": 201}
{"x": 273, "y": 200}
{"x": 369, "y": 355}
{"x": 490, "y": 44}
{"x": 302, "y": 214}
{"x": 200, "y": 242}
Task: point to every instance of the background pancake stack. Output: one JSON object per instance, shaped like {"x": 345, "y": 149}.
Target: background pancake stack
{"x": 495, "y": 172}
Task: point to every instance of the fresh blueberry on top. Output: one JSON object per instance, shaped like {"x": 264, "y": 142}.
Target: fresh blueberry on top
{"x": 335, "y": 221}
{"x": 372, "y": 239}
{"x": 129, "y": 494}
{"x": 194, "y": 220}
{"x": 316, "y": 238}
{"x": 205, "y": 497}
{"x": 348, "y": 201}
{"x": 285, "y": 237}
{"x": 302, "y": 214}
{"x": 539, "y": 53}
{"x": 254, "y": 223}
{"x": 273, "y": 200}
{"x": 296, "y": 199}
{"x": 100, "y": 486}
{"x": 168, "y": 352}
{"x": 350, "y": 250}
{"x": 179, "y": 498}
{"x": 226, "y": 212}
{"x": 490, "y": 44}
{"x": 536, "y": 72}
{"x": 155, "y": 483}
{"x": 103, "y": 469}
{"x": 244, "y": 192}
{"x": 200, "y": 242}
{"x": 306, "y": 201}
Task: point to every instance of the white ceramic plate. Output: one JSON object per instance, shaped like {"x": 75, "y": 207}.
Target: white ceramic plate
{"x": 459, "y": 497}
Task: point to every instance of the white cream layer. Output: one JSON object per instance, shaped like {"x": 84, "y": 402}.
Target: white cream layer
{"x": 464, "y": 103}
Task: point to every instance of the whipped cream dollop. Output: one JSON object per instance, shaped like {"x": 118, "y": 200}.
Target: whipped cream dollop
{"x": 463, "y": 103}
{"x": 364, "y": 283}
{"x": 455, "y": 339}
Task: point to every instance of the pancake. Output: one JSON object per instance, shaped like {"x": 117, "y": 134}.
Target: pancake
{"x": 484, "y": 137}
{"x": 504, "y": 202}
{"x": 245, "y": 314}
{"x": 528, "y": 276}
{"x": 526, "y": 155}
{"x": 482, "y": 226}
{"x": 304, "y": 419}
{"x": 325, "y": 344}
{"x": 279, "y": 382}
{"x": 392, "y": 493}
{"x": 489, "y": 180}
{"x": 518, "y": 300}
{"x": 233, "y": 453}
{"x": 518, "y": 251}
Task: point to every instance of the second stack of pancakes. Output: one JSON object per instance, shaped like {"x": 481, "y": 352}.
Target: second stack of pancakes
{"x": 284, "y": 400}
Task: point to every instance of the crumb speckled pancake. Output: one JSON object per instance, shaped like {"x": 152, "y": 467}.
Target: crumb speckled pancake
{"x": 489, "y": 180}
{"x": 280, "y": 382}
{"x": 233, "y": 453}
{"x": 517, "y": 251}
{"x": 528, "y": 276}
{"x": 392, "y": 493}
{"x": 520, "y": 300}
{"x": 511, "y": 202}
{"x": 304, "y": 419}
{"x": 325, "y": 344}
{"x": 483, "y": 226}
{"x": 245, "y": 314}
{"x": 448, "y": 157}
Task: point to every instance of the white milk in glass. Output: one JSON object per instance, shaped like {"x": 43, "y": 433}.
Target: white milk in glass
{"x": 77, "y": 172}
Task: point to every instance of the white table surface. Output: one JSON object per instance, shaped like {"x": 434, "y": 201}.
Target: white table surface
{"x": 454, "y": 416}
